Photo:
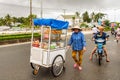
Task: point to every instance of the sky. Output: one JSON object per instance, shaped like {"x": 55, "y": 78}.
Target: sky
{"x": 67, "y": 4}
{"x": 56, "y": 7}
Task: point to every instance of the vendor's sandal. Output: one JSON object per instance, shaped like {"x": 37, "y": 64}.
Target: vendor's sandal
{"x": 75, "y": 65}
{"x": 79, "y": 68}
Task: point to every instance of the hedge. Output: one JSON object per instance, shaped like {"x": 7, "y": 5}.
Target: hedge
{"x": 17, "y": 36}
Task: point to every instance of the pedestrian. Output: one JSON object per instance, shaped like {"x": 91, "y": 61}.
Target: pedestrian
{"x": 36, "y": 43}
{"x": 78, "y": 43}
{"x": 112, "y": 30}
{"x": 94, "y": 31}
{"x": 118, "y": 34}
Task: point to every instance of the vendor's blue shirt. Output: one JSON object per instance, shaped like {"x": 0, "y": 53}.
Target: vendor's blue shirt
{"x": 77, "y": 41}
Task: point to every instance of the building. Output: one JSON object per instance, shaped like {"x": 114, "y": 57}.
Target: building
{"x": 72, "y": 19}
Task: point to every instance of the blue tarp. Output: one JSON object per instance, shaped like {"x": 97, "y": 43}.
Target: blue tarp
{"x": 53, "y": 23}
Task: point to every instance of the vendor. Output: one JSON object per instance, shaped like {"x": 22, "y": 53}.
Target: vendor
{"x": 78, "y": 43}
{"x": 36, "y": 43}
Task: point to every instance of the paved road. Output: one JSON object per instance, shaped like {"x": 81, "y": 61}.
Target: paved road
{"x": 14, "y": 64}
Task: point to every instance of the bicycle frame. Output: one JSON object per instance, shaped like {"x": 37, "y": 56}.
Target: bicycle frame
{"x": 100, "y": 49}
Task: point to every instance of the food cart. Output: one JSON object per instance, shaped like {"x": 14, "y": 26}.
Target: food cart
{"x": 49, "y": 50}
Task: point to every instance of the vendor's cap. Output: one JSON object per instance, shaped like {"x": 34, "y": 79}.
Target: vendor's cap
{"x": 101, "y": 28}
{"x": 76, "y": 27}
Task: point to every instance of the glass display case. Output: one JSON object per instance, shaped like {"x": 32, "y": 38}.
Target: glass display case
{"x": 50, "y": 39}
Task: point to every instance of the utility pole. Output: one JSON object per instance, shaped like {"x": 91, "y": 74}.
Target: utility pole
{"x": 31, "y": 23}
{"x": 30, "y": 13}
{"x": 64, "y": 11}
{"x": 41, "y": 9}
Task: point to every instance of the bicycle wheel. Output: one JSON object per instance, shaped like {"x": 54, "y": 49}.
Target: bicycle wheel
{"x": 57, "y": 65}
{"x": 99, "y": 59}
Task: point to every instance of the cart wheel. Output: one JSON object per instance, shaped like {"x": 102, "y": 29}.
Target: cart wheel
{"x": 34, "y": 65}
{"x": 57, "y": 65}
{"x": 36, "y": 68}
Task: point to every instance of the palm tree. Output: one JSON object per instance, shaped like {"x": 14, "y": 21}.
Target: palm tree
{"x": 86, "y": 17}
{"x": 73, "y": 19}
{"x": 8, "y": 20}
{"x": 14, "y": 20}
{"x": 33, "y": 16}
{"x": 92, "y": 16}
{"x": 2, "y": 21}
{"x": 78, "y": 15}
{"x": 99, "y": 16}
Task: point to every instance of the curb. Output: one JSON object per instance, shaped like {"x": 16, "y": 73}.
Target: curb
{"x": 14, "y": 44}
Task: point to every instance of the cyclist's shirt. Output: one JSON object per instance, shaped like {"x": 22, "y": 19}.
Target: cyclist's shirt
{"x": 103, "y": 36}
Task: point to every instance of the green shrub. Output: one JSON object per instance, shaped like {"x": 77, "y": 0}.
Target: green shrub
{"x": 83, "y": 25}
{"x": 17, "y": 36}
{"x": 107, "y": 28}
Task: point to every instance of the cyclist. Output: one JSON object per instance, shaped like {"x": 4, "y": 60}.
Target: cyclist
{"x": 118, "y": 33}
{"x": 103, "y": 35}
{"x": 112, "y": 31}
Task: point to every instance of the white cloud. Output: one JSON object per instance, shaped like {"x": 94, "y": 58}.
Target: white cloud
{"x": 56, "y": 6}
{"x": 75, "y": 4}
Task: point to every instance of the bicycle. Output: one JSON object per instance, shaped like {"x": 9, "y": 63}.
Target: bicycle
{"x": 100, "y": 52}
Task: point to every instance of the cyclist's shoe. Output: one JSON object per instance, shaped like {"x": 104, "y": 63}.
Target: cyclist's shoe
{"x": 79, "y": 68}
{"x": 75, "y": 65}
